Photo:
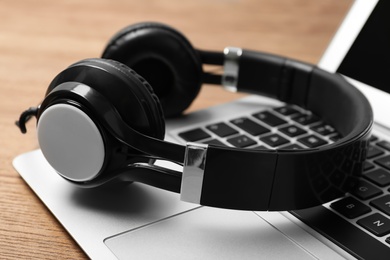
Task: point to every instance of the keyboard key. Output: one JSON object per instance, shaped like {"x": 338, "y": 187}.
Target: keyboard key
{"x": 344, "y": 232}
{"x": 221, "y": 129}
{"x": 274, "y": 140}
{"x": 350, "y": 207}
{"x": 379, "y": 177}
{"x": 306, "y": 119}
{"x": 292, "y": 130}
{"x": 373, "y": 138}
{"x": 194, "y": 135}
{"x": 384, "y": 162}
{"x": 382, "y": 203}
{"x": 214, "y": 142}
{"x": 368, "y": 166}
{"x": 364, "y": 190}
{"x": 384, "y": 144}
{"x": 286, "y": 110}
{"x": 249, "y": 126}
{"x": 312, "y": 141}
{"x": 376, "y": 223}
{"x": 323, "y": 129}
{"x": 269, "y": 118}
{"x": 241, "y": 141}
{"x": 373, "y": 152}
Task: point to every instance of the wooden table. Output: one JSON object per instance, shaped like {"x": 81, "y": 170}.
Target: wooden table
{"x": 40, "y": 38}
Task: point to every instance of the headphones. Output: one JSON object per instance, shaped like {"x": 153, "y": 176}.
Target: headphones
{"x": 101, "y": 122}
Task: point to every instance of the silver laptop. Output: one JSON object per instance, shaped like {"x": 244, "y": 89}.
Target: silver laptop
{"x": 141, "y": 222}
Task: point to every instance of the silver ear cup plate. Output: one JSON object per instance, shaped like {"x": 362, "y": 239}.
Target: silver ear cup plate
{"x": 71, "y": 142}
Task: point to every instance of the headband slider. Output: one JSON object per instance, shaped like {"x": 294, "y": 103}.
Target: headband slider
{"x": 193, "y": 172}
{"x": 231, "y": 68}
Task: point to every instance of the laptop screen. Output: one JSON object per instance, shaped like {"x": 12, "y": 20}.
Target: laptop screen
{"x": 368, "y": 59}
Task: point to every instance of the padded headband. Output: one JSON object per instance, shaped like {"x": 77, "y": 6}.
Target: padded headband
{"x": 284, "y": 179}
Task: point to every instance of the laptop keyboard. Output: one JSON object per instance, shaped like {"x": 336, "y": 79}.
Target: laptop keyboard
{"x": 368, "y": 205}
{"x": 286, "y": 127}
{"x": 366, "y": 208}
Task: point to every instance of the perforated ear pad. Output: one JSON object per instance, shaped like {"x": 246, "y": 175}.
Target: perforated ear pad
{"x": 131, "y": 95}
{"x": 165, "y": 58}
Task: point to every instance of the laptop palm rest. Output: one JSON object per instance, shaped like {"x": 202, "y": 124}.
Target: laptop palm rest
{"x": 142, "y": 222}
{"x": 206, "y": 233}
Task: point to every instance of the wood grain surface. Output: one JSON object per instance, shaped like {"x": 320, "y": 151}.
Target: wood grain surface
{"x": 40, "y": 38}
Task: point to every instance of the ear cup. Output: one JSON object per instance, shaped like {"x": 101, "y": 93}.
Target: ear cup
{"x": 131, "y": 95}
{"x": 165, "y": 58}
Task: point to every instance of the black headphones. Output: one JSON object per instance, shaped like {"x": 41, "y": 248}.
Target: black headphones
{"x": 101, "y": 122}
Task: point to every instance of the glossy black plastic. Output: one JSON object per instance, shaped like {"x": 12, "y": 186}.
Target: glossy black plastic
{"x": 126, "y": 150}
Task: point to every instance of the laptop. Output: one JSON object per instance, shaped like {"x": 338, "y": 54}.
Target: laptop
{"x": 141, "y": 222}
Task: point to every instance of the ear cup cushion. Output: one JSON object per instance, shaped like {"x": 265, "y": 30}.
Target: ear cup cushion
{"x": 165, "y": 58}
{"x": 131, "y": 95}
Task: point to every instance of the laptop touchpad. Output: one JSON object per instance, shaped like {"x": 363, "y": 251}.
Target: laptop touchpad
{"x": 206, "y": 233}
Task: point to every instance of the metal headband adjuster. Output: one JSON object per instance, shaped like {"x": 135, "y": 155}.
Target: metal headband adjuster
{"x": 231, "y": 68}
{"x": 193, "y": 172}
